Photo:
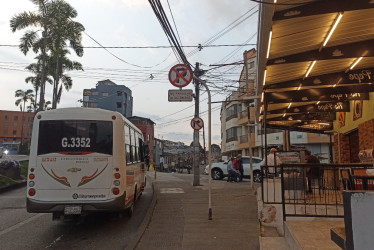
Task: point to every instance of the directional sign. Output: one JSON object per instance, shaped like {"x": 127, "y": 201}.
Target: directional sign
{"x": 183, "y": 95}
{"x": 180, "y": 75}
{"x": 197, "y": 123}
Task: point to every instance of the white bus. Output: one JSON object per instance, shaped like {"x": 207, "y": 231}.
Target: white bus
{"x": 84, "y": 160}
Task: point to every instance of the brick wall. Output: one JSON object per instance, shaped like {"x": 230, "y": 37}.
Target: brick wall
{"x": 366, "y": 135}
{"x": 366, "y": 141}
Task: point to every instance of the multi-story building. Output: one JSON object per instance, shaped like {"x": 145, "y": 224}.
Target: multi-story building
{"x": 11, "y": 124}
{"x": 110, "y": 96}
{"x": 147, "y": 127}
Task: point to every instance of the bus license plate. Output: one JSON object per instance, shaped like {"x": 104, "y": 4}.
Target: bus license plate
{"x": 73, "y": 210}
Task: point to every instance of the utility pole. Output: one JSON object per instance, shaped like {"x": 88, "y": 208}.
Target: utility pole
{"x": 249, "y": 125}
{"x": 196, "y": 144}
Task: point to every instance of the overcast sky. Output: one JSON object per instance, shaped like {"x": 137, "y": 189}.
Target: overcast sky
{"x": 131, "y": 23}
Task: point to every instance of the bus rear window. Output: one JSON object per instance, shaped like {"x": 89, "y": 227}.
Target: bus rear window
{"x": 75, "y": 136}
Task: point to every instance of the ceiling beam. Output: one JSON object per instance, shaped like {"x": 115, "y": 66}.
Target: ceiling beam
{"x": 322, "y": 7}
{"x": 339, "y": 93}
{"x": 351, "y": 77}
{"x": 350, "y": 50}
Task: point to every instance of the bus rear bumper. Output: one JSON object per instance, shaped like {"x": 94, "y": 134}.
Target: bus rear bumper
{"x": 116, "y": 204}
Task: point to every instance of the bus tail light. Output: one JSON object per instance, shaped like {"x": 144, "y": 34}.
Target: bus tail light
{"x": 115, "y": 191}
{"x": 31, "y": 176}
{"x": 116, "y": 183}
{"x": 32, "y": 192}
{"x": 117, "y": 175}
{"x": 31, "y": 183}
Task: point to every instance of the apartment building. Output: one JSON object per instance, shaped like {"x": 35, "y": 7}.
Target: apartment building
{"x": 12, "y": 125}
{"x": 110, "y": 96}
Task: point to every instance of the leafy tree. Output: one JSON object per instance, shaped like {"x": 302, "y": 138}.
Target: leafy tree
{"x": 53, "y": 21}
{"x": 23, "y": 98}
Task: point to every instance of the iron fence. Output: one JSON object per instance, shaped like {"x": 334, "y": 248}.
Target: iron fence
{"x": 312, "y": 190}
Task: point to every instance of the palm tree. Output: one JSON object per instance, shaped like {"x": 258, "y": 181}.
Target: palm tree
{"x": 53, "y": 21}
{"x": 66, "y": 30}
{"x": 41, "y": 20}
{"x": 24, "y": 96}
{"x": 36, "y": 80}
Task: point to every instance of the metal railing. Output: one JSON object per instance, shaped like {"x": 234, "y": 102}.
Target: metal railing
{"x": 309, "y": 190}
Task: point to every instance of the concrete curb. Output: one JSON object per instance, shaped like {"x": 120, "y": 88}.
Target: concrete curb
{"x": 14, "y": 186}
{"x": 143, "y": 226}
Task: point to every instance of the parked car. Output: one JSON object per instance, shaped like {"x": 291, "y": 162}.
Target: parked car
{"x": 1, "y": 152}
{"x": 219, "y": 169}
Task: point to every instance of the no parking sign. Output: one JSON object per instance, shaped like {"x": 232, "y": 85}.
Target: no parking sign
{"x": 180, "y": 75}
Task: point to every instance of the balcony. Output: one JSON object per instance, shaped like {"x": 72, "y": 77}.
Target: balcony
{"x": 243, "y": 141}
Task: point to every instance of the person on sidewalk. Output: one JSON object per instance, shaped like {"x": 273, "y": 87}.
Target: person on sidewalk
{"x": 272, "y": 162}
{"x": 231, "y": 171}
{"x": 313, "y": 173}
{"x": 239, "y": 166}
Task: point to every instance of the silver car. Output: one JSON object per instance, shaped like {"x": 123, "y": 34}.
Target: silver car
{"x": 219, "y": 169}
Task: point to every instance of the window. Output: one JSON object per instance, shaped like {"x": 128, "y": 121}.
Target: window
{"x": 232, "y": 111}
{"x": 30, "y": 119}
{"x": 5, "y": 124}
{"x": 232, "y": 134}
{"x": 15, "y": 118}
{"x": 14, "y": 125}
{"x": 105, "y": 94}
{"x": 93, "y": 104}
{"x": 75, "y": 136}
{"x": 6, "y": 118}
{"x": 95, "y": 93}
{"x": 119, "y": 105}
{"x": 251, "y": 64}
{"x": 14, "y": 132}
{"x": 23, "y": 118}
{"x": 127, "y": 144}
{"x": 5, "y": 131}
{"x": 119, "y": 93}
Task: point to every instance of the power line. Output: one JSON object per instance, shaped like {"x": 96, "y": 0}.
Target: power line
{"x": 154, "y": 47}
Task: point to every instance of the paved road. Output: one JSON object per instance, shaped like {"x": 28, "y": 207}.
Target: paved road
{"x": 22, "y": 230}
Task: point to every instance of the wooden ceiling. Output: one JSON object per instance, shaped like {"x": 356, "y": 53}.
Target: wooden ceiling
{"x": 296, "y": 31}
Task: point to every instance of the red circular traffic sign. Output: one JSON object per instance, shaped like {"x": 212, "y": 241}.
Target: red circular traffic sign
{"x": 197, "y": 123}
{"x": 180, "y": 75}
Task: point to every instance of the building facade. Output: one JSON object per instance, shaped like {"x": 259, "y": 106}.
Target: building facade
{"x": 147, "y": 127}
{"x": 12, "y": 125}
{"x": 110, "y": 96}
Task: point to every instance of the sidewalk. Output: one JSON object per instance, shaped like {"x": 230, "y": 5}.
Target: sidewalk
{"x": 180, "y": 215}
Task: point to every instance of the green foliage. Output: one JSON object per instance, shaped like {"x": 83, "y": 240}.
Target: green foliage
{"x": 24, "y": 167}
{"x": 5, "y": 181}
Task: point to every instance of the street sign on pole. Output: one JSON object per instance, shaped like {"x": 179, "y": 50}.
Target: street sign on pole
{"x": 180, "y": 75}
{"x": 197, "y": 123}
{"x": 183, "y": 95}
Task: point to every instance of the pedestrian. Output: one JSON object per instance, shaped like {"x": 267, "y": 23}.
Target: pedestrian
{"x": 272, "y": 162}
{"x": 239, "y": 163}
{"x": 161, "y": 163}
{"x": 231, "y": 171}
{"x": 146, "y": 160}
{"x": 313, "y": 173}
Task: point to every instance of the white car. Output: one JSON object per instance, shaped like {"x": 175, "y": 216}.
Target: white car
{"x": 219, "y": 169}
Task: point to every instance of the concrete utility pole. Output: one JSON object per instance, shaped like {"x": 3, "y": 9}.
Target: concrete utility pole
{"x": 209, "y": 146}
{"x": 249, "y": 125}
{"x": 196, "y": 144}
